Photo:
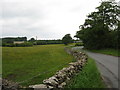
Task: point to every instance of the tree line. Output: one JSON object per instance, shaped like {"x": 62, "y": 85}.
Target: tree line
{"x": 45, "y": 42}
{"x": 9, "y": 42}
{"x": 12, "y": 39}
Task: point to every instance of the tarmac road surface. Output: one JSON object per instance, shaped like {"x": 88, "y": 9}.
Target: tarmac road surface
{"x": 107, "y": 65}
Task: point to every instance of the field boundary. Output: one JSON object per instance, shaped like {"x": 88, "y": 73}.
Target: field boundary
{"x": 39, "y": 74}
{"x": 60, "y": 79}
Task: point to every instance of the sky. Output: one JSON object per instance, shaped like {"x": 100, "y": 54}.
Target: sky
{"x": 46, "y": 19}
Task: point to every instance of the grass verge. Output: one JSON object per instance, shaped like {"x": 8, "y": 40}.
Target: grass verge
{"x": 112, "y": 52}
{"x": 33, "y": 64}
{"x": 89, "y": 77}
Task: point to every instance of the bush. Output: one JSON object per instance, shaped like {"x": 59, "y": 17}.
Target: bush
{"x": 79, "y": 44}
{"x": 45, "y": 42}
{"x": 8, "y": 44}
{"x": 3, "y": 44}
{"x": 41, "y": 42}
{"x": 26, "y": 44}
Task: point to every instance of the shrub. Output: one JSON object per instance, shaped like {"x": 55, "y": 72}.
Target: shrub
{"x": 41, "y": 42}
{"x": 26, "y": 44}
{"x": 8, "y": 45}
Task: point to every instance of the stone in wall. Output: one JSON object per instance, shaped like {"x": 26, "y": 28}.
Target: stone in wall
{"x": 38, "y": 86}
{"x": 9, "y": 85}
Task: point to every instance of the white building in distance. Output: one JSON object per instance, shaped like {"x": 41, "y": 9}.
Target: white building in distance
{"x": 18, "y": 42}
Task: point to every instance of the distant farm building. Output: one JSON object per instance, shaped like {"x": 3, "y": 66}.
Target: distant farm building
{"x": 18, "y": 42}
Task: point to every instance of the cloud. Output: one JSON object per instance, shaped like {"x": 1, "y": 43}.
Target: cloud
{"x": 46, "y": 19}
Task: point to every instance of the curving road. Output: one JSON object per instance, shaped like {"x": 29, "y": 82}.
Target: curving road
{"x": 107, "y": 65}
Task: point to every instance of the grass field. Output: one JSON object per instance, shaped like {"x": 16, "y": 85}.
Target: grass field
{"x": 23, "y": 63}
{"x": 108, "y": 51}
{"x": 88, "y": 78}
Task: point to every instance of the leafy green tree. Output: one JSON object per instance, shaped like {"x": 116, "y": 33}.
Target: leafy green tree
{"x": 32, "y": 40}
{"x": 99, "y": 28}
{"x": 67, "y": 39}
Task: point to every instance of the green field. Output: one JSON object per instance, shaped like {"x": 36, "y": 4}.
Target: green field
{"x": 33, "y": 64}
{"x": 88, "y": 78}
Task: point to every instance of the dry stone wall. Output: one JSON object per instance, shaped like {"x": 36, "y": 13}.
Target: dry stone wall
{"x": 9, "y": 85}
{"x": 61, "y": 77}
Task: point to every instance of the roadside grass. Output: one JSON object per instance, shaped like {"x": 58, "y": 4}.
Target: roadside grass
{"x": 40, "y": 62}
{"x": 89, "y": 77}
{"x": 108, "y": 51}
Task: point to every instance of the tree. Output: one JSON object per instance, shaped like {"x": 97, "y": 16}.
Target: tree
{"x": 67, "y": 39}
{"x": 32, "y": 40}
{"x": 97, "y": 31}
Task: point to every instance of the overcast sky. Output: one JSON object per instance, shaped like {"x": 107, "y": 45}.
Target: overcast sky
{"x": 46, "y": 19}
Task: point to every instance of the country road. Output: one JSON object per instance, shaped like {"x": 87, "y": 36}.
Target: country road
{"x": 107, "y": 65}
